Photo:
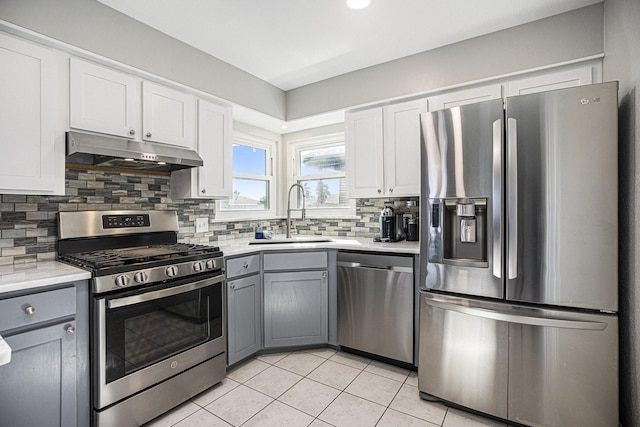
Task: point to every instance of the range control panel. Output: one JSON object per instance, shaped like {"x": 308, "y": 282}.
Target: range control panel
{"x": 125, "y": 221}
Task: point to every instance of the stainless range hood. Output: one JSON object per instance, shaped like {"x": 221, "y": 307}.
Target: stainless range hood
{"x": 108, "y": 151}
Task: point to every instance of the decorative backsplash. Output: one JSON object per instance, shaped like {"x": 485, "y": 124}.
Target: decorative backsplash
{"x": 28, "y": 223}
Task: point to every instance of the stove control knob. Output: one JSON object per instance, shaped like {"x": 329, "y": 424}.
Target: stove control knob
{"x": 197, "y": 266}
{"x": 140, "y": 277}
{"x": 171, "y": 271}
{"x": 210, "y": 264}
{"x": 122, "y": 280}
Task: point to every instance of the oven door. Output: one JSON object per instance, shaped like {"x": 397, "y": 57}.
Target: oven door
{"x": 144, "y": 337}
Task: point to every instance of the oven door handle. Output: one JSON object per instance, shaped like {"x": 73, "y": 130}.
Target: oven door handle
{"x": 149, "y": 296}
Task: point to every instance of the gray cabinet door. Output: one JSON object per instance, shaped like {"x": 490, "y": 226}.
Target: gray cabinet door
{"x": 244, "y": 336}
{"x": 38, "y": 386}
{"x": 295, "y": 308}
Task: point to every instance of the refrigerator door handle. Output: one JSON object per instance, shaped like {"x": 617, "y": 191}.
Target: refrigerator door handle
{"x": 496, "y": 181}
{"x": 506, "y": 316}
{"x": 512, "y": 198}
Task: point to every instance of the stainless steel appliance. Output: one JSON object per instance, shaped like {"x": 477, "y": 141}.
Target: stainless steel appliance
{"x": 376, "y": 304}
{"x": 157, "y": 312}
{"x": 519, "y": 299}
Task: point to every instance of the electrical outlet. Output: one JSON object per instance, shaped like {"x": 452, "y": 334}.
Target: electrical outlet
{"x": 202, "y": 225}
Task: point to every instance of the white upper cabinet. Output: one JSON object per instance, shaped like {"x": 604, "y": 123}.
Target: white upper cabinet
{"x": 103, "y": 100}
{"x": 552, "y": 80}
{"x": 383, "y": 150}
{"x": 364, "y": 153}
{"x": 108, "y": 101}
{"x": 214, "y": 144}
{"x": 168, "y": 115}
{"x": 30, "y": 161}
{"x": 463, "y": 97}
{"x": 402, "y": 147}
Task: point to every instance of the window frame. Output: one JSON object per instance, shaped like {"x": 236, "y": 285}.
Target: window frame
{"x": 271, "y": 147}
{"x": 294, "y": 149}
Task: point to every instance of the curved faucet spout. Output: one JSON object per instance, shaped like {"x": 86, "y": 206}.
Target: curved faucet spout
{"x": 289, "y": 208}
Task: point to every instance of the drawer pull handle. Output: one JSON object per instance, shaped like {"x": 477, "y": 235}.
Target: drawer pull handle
{"x": 30, "y": 310}
{"x": 70, "y": 330}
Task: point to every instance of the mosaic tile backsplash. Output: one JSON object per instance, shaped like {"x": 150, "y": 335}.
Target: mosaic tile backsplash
{"x": 28, "y": 224}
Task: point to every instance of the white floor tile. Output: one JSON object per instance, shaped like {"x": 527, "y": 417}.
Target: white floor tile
{"x": 408, "y": 401}
{"x": 412, "y": 379}
{"x": 174, "y": 416}
{"x": 352, "y": 360}
{"x": 272, "y": 358}
{"x": 334, "y": 374}
{"x": 310, "y": 396}
{"x": 393, "y": 418}
{"x": 218, "y": 390}
{"x": 322, "y": 352}
{"x": 273, "y": 381}
{"x": 240, "y": 404}
{"x": 458, "y": 418}
{"x": 352, "y": 411}
{"x": 202, "y": 418}
{"x": 279, "y": 415}
{"x": 388, "y": 371}
{"x": 319, "y": 423}
{"x": 374, "y": 388}
{"x": 300, "y": 363}
{"x": 247, "y": 370}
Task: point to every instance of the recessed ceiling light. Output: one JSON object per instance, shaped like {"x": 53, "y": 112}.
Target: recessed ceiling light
{"x": 283, "y": 127}
{"x": 358, "y": 4}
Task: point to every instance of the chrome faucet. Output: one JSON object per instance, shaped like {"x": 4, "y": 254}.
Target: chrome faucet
{"x": 289, "y": 208}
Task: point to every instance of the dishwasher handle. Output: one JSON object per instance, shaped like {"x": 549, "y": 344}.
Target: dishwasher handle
{"x": 375, "y": 267}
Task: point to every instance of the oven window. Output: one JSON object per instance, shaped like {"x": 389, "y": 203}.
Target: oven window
{"x": 144, "y": 333}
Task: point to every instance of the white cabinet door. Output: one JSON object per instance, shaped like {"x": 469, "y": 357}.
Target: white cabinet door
{"x": 463, "y": 97}
{"x": 402, "y": 148}
{"x": 296, "y": 308}
{"x": 213, "y": 180}
{"x": 244, "y": 302}
{"x": 168, "y": 115}
{"x": 27, "y": 119}
{"x": 103, "y": 100}
{"x": 551, "y": 81}
{"x": 364, "y": 153}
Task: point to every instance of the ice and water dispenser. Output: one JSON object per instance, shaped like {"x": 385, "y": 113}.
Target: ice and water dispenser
{"x": 458, "y": 231}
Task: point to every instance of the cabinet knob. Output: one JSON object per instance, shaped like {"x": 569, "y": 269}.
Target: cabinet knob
{"x": 379, "y": 190}
{"x": 30, "y": 310}
{"x": 148, "y": 134}
{"x": 232, "y": 286}
{"x": 70, "y": 330}
{"x": 203, "y": 191}
{"x": 324, "y": 275}
{"x": 132, "y": 132}
{"x": 391, "y": 190}
{"x": 245, "y": 265}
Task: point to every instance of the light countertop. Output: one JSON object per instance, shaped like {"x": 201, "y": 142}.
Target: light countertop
{"x": 242, "y": 246}
{"x": 35, "y": 275}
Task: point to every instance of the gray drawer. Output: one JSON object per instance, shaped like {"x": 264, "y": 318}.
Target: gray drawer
{"x": 243, "y": 265}
{"x": 295, "y": 261}
{"x": 46, "y": 306}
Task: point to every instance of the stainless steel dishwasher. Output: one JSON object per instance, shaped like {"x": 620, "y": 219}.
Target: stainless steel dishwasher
{"x": 376, "y": 304}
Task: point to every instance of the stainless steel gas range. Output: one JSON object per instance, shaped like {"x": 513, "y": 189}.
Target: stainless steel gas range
{"x": 157, "y": 312}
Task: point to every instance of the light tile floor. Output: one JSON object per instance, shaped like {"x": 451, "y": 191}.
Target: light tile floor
{"x": 316, "y": 388}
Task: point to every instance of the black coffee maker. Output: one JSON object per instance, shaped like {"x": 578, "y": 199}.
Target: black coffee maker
{"x": 387, "y": 225}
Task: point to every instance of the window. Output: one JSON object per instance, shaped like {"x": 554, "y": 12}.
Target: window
{"x": 253, "y": 183}
{"x": 319, "y": 167}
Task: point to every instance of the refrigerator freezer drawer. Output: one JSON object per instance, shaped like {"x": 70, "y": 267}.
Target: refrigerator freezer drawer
{"x": 533, "y": 366}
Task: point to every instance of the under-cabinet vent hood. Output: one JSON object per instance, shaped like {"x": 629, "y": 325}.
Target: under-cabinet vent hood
{"x": 109, "y": 151}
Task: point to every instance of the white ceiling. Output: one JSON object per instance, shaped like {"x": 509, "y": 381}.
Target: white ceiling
{"x": 292, "y": 43}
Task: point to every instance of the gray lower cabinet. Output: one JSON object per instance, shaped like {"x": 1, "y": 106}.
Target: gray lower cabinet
{"x": 295, "y": 308}
{"x": 244, "y": 301}
{"x": 46, "y": 381}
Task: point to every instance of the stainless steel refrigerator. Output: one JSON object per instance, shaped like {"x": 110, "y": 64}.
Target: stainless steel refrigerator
{"x": 519, "y": 255}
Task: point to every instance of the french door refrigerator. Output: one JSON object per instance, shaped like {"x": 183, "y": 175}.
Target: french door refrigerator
{"x": 518, "y": 257}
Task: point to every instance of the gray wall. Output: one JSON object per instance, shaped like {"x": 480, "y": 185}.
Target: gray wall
{"x": 622, "y": 63}
{"x": 97, "y": 28}
{"x": 560, "y": 38}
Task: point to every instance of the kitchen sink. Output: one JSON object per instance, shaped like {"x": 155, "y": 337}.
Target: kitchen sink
{"x": 283, "y": 240}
